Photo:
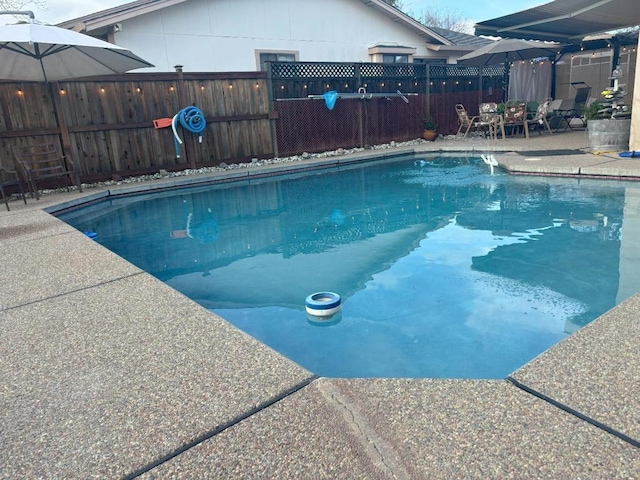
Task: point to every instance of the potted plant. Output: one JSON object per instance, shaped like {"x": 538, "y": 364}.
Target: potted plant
{"x": 430, "y": 128}
{"x": 608, "y": 122}
{"x": 590, "y": 112}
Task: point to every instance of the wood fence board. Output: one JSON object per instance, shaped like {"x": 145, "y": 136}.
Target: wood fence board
{"x": 37, "y": 108}
{"x": 5, "y": 119}
{"x": 15, "y": 112}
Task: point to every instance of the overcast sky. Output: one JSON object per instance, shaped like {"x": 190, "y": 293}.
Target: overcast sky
{"x": 474, "y": 10}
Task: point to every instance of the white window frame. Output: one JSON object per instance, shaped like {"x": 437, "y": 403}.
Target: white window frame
{"x": 294, "y": 53}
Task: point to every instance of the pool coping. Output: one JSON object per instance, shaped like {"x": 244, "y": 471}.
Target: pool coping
{"x": 532, "y": 422}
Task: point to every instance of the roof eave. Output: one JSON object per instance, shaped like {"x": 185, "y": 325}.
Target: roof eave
{"x": 105, "y": 18}
{"x": 451, "y": 48}
{"x": 127, "y": 11}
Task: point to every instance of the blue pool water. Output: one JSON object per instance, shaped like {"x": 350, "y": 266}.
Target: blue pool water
{"x": 444, "y": 270}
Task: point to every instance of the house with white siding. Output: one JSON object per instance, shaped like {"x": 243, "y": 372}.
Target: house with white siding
{"x": 241, "y": 35}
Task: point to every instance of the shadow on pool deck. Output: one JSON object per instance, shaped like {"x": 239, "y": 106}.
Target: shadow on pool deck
{"x": 109, "y": 373}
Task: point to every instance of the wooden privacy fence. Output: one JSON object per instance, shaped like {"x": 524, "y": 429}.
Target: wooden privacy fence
{"x": 306, "y": 124}
{"x": 470, "y": 86}
{"x": 106, "y": 124}
{"x": 311, "y": 127}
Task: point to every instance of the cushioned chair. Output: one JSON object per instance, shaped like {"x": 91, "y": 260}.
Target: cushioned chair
{"x": 540, "y": 117}
{"x": 467, "y": 122}
{"x": 490, "y": 116}
{"x": 10, "y": 178}
{"x": 515, "y": 115}
{"x": 532, "y": 108}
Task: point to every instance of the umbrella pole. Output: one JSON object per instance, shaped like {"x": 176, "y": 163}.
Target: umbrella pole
{"x": 505, "y": 82}
{"x": 480, "y": 86}
{"x": 553, "y": 78}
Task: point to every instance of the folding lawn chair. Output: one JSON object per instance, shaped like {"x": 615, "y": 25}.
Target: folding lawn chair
{"x": 468, "y": 122}
{"x": 575, "y": 111}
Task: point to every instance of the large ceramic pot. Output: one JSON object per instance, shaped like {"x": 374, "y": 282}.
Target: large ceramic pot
{"x": 429, "y": 135}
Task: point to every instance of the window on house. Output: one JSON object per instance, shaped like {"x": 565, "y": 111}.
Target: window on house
{"x": 390, "y": 58}
{"x": 275, "y": 57}
{"x": 431, "y": 61}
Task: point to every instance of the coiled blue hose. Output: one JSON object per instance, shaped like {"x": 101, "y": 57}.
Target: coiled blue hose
{"x": 192, "y": 120}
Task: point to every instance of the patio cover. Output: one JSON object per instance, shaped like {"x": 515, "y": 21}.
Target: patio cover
{"x": 564, "y": 20}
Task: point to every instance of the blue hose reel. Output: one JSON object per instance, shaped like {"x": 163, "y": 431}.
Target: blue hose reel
{"x": 192, "y": 120}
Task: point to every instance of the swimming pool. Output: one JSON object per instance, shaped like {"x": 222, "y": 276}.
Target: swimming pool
{"x": 444, "y": 270}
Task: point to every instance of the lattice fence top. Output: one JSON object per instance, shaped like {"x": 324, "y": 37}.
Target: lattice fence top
{"x": 403, "y": 70}
{"x": 466, "y": 71}
{"x": 493, "y": 70}
{"x": 311, "y": 70}
{"x": 323, "y": 70}
{"x": 298, "y": 80}
{"x": 301, "y": 70}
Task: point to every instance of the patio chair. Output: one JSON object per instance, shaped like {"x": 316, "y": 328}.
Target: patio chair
{"x": 574, "y": 112}
{"x": 490, "y": 115}
{"x": 42, "y": 162}
{"x": 532, "y": 108}
{"x": 468, "y": 122}
{"x": 554, "y": 114}
{"x": 515, "y": 115}
{"x": 540, "y": 117}
{"x": 10, "y": 178}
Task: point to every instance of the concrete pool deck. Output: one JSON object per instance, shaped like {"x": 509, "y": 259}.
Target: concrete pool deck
{"x": 108, "y": 373}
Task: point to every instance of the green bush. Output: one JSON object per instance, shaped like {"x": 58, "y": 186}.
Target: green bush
{"x": 590, "y": 111}
{"x": 429, "y": 123}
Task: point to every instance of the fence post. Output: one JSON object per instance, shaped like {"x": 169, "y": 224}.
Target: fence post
{"x": 427, "y": 88}
{"x": 272, "y": 121}
{"x": 358, "y": 78}
{"x": 480, "y": 87}
{"x": 62, "y": 123}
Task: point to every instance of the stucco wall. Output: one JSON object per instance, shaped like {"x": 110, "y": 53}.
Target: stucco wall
{"x": 634, "y": 140}
{"x": 223, "y": 35}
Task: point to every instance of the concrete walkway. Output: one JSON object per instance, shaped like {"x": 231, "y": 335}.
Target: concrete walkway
{"x": 105, "y": 372}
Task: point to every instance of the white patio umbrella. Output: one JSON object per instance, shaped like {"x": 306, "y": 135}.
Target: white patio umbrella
{"x": 44, "y": 53}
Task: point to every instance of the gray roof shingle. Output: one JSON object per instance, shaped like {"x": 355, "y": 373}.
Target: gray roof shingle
{"x": 459, "y": 38}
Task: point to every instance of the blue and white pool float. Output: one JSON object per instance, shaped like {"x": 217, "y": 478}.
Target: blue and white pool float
{"x": 322, "y": 304}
